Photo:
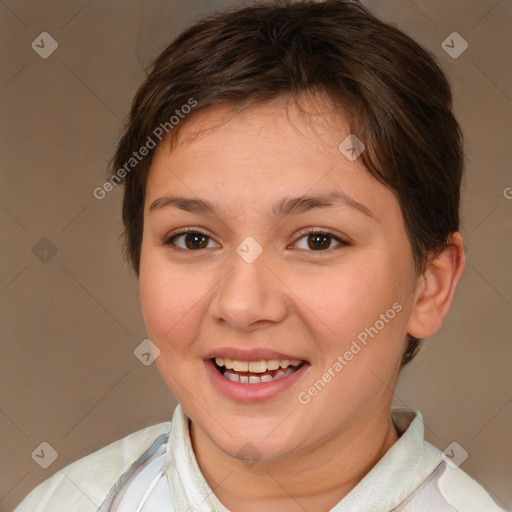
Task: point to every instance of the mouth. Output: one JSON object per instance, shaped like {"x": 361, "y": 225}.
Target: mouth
{"x": 256, "y": 372}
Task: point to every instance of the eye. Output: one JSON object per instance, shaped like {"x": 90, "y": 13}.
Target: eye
{"x": 190, "y": 239}
{"x": 318, "y": 240}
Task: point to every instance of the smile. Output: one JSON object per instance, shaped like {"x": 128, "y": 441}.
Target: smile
{"x": 256, "y": 372}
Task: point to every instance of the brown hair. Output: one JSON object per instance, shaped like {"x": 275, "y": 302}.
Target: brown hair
{"x": 398, "y": 101}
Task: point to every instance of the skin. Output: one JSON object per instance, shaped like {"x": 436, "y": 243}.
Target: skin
{"x": 293, "y": 299}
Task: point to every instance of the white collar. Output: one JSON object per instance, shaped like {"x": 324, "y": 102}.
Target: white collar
{"x": 397, "y": 475}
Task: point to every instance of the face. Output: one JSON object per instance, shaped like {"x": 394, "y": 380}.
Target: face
{"x": 241, "y": 275}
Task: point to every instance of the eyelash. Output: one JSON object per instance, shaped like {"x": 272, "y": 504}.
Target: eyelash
{"x": 168, "y": 240}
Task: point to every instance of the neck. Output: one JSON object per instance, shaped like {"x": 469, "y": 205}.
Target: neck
{"x": 312, "y": 480}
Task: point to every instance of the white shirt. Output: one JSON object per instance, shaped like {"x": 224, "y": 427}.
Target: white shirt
{"x": 155, "y": 470}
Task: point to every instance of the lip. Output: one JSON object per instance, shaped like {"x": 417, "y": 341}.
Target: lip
{"x": 250, "y": 393}
{"x": 250, "y": 355}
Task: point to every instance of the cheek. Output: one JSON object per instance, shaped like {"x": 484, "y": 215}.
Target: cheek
{"x": 356, "y": 317}
{"x": 343, "y": 301}
{"x": 170, "y": 299}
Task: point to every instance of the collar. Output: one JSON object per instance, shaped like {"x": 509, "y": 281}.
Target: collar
{"x": 404, "y": 467}
{"x": 396, "y": 476}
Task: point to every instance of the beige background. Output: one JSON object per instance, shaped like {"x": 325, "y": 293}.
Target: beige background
{"x": 68, "y": 374}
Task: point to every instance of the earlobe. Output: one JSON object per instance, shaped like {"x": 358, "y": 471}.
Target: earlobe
{"x": 436, "y": 288}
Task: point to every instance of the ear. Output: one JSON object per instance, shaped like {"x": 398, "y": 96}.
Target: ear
{"x": 435, "y": 289}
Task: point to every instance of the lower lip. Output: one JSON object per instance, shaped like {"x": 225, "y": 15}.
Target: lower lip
{"x": 247, "y": 393}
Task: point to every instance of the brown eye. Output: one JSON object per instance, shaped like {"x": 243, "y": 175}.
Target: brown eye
{"x": 190, "y": 240}
{"x": 318, "y": 241}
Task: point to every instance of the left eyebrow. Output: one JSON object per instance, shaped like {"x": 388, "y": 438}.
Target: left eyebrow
{"x": 296, "y": 205}
{"x": 284, "y": 207}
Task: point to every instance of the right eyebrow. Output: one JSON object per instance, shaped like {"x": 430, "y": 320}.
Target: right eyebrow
{"x": 189, "y": 204}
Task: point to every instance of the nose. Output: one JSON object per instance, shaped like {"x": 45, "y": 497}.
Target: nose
{"x": 250, "y": 296}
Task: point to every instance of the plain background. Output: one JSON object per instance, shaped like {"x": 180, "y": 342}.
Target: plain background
{"x": 69, "y": 305}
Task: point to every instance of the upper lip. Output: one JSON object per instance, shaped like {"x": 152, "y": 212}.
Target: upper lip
{"x": 256, "y": 354}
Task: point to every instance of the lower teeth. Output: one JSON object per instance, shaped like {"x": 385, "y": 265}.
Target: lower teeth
{"x": 253, "y": 379}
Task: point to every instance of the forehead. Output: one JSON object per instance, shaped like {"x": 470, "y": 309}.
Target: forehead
{"x": 313, "y": 121}
{"x": 262, "y": 154}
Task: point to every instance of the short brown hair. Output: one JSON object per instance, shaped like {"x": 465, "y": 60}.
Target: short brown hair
{"x": 398, "y": 100}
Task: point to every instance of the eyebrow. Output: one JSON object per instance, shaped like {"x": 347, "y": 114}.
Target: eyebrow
{"x": 286, "y": 206}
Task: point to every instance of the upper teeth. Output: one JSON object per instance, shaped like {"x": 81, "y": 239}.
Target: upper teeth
{"x": 255, "y": 366}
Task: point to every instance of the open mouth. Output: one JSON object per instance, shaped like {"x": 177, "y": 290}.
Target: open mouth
{"x": 256, "y": 372}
